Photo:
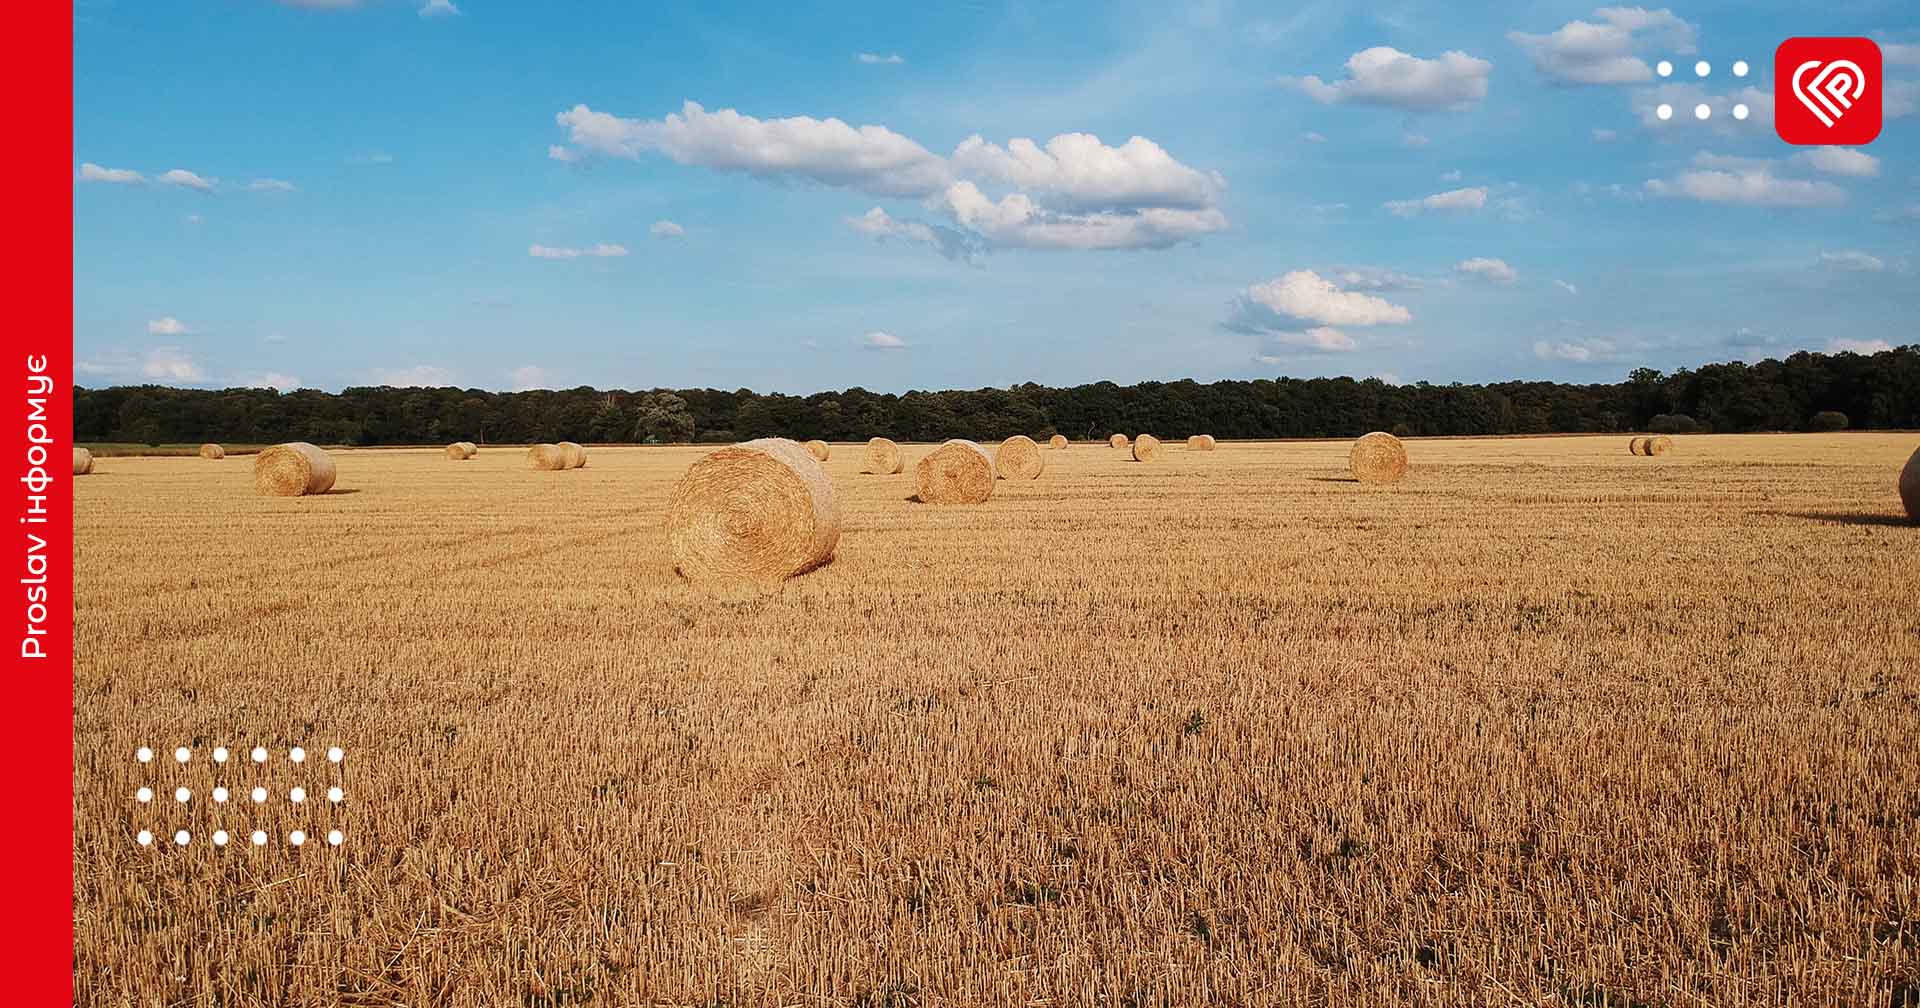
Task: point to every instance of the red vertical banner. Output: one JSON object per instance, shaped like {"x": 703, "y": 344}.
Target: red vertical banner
{"x": 36, "y": 371}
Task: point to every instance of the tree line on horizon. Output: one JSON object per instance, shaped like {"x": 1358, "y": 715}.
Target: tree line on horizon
{"x": 1806, "y": 391}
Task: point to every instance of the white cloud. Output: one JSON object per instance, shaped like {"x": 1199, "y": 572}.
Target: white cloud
{"x": 269, "y": 185}
{"x": 1749, "y": 187}
{"x": 1585, "y": 52}
{"x": 666, "y": 229}
{"x": 1899, "y": 99}
{"x": 417, "y": 376}
{"x": 168, "y": 326}
{"x": 1015, "y": 221}
{"x": 882, "y": 341}
{"x": 1451, "y": 176}
{"x": 1312, "y": 137}
{"x": 1372, "y": 278}
{"x": 892, "y": 59}
{"x": 438, "y": 8}
{"x": 272, "y": 380}
{"x": 1075, "y": 171}
{"x": 950, "y": 242}
{"x": 1495, "y": 270}
{"x": 601, "y": 251}
{"x": 1856, "y": 262}
{"x": 1472, "y": 198}
{"x": 871, "y": 159}
{"x": 1384, "y": 75}
{"x": 1565, "y": 286}
{"x": 169, "y": 363}
{"x": 1308, "y": 299}
{"x": 528, "y": 376}
{"x": 1415, "y": 140}
{"x": 1862, "y": 347}
{"x": 1842, "y": 161}
{"x": 1577, "y": 351}
{"x": 559, "y": 153}
{"x": 90, "y": 172}
{"x": 1900, "y": 53}
{"x": 187, "y": 180}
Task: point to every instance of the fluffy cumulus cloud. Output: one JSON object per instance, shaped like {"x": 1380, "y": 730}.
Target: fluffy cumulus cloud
{"x": 279, "y": 381}
{"x": 1853, "y": 261}
{"x": 1370, "y": 278}
{"x": 1602, "y": 51}
{"x": 1016, "y": 221}
{"x": 1575, "y": 351}
{"x": 1384, "y": 75}
{"x": 875, "y": 59}
{"x": 269, "y": 185}
{"x": 1842, "y": 161}
{"x": 167, "y": 326}
{"x": 1495, "y": 270}
{"x": 90, "y": 172}
{"x": 1858, "y": 346}
{"x": 188, "y": 180}
{"x": 1748, "y": 186}
{"x": 666, "y": 229}
{"x": 528, "y": 376}
{"x": 1303, "y": 312}
{"x": 882, "y": 341}
{"x": 604, "y": 250}
{"x": 172, "y": 364}
{"x": 1471, "y": 198}
{"x": 438, "y": 8}
{"x": 1075, "y": 171}
{"x": 950, "y": 242}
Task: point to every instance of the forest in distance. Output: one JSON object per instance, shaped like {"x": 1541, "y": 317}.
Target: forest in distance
{"x": 1806, "y": 391}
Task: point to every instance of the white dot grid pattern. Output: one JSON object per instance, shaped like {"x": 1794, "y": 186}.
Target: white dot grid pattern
{"x": 1702, "y": 68}
{"x": 1739, "y": 68}
{"x": 182, "y": 838}
{"x": 334, "y": 795}
{"x": 259, "y": 754}
{"x": 259, "y": 838}
{"x": 1664, "y": 111}
{"x": 220, "y": 837}
{"x": 336, "y": 838}
{"x": 144, "y": 838}
{"x": 144, "y": 795}
{"x": 143, "y": 754}
{"x": 297, "y": 754}
{"x": 1740, "y": 111}
{"x": 1702, "y": 111}
{"x": 258, "y": 795}
{"x": 182, "y": 754}
{"x": 297, "y": 837}
{"x": 182, "y": 795}
{"x": 297, "y": 795}
{"x": 1663, "y": 68}
{"x": 220, "y": 754}
{"x": 220, "y": 795}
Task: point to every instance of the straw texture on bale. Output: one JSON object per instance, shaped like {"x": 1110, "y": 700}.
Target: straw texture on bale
{"x": 1057, "y": 441}
{"x": 472, "y": 449}
{"x": 547, "y": 457}
{"x": 1200, "y": 442}
{"x": 292, "y": 470}
{"x": 574, "y": 455}
{"x": 1378, "y": 457}
{"x": 818, "y": 449}
{"x": 1659, "y": 444}
{"x": 1910, "y": 487}
{"x": 958, "y": 472}
{"x": 1019, "y": 458}
{"x": 83, "y": 462}
{"x": 757, "y": 512}
{"x": 1118, "y": 440}
{"x": 458, "y": 452}
{"x": 883, "y": 456}
{"x": 212, "y": 451}
{"x": 1637, "y": 446}
{"x": 1145, "y": 447}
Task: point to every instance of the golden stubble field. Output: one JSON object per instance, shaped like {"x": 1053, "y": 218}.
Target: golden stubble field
{"x": 1545, "y": 724}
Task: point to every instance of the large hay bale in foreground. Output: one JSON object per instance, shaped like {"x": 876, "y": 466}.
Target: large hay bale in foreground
{"x": 83, "y": 461}
{"x": 212, "y": 451}
{"x": 1118, "y": 440}
{"x": 1658, "y": 445}
{"x": 547, "y": 457}
{"x": 958, "y": 472}
{"x": 818, "y": 449}
{"x": 1378, "y": 457}
{"x": 1910, "y": 487}
{"x": 1145, "y": 447}
{"x": 883, "y": 456}
{"x": 293, "y": 469}
{"x": 1637, "y": 446}
{"x": 1057, "y": 442}
{"x": 574, "y": 455}
{"x": 1018, "y": 458}
{"x": 758, "y": 512}
{"x": 1200, "y": 442}
{"x": 458, "y": 452}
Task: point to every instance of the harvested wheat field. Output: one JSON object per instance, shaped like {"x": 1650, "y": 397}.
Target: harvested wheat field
{"x": 1228, "y": 729}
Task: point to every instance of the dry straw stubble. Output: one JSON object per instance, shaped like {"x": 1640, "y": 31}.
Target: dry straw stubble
{"x": 293, "y": 469}
{"x": 1057, "y": 441}
{"x": 883, "y": 456}
{"x": 1145, "y": 447}
{"x": 1378, "y": 457}
{"x": 1019, "y": 458}
{"x": 547, "y": 457}
{"x": 212, "y": 451}
{"x": 1910, "y": 487}
{"x": 83, "y": 462}
{"x": 958, "y": 472}
{"x": 818, "y": 449}
{"x": 758, "y": 513}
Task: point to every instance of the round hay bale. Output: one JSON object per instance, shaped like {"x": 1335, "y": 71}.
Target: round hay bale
{"x": 1019, "y": 458}
{"x": 1057, "y": 442}
{"x": 212, "y": 451}
{"x": 1378, "y": 457}
{"x": 1637, "y": 446}
{"x": 1200, "y": 442}
{"x": 1145, "y": 447}
{"x": 547, "y": 457}
{"x": 574, "y": 455}
{"x": 83, "y": 462}
{"x": 958, "y": 472}
{"x": 472, "y": 449}
{"x": 818, "y": 449}
{"x": 1658, "y": 445}
{"x": 1910, "y": 487}
{"x": 293, "y": 469}
{"x": 1118, "y": 440}
{"x": 757, "y": 512}
{"x": 458, "y": 452}
{"x": 883, "y": 457}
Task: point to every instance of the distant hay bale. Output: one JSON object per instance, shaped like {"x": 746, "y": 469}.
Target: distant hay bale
{"x": 83, "y": 462}
{"x": 1658, "y": 445}
{"x": 1910, "y": 487}
{"x": 1378, "y": 457}
{"x": 1118, "y": 440}
{"x": 757, "y": 512}
{"x": 958, "y": 472}
{"x": 883, "y": 456}
{"x": 1145, "y": 447}
{"x": 1057, "y": 441}
{"x": 212, "y": 451}
{"x": 472, "y": 449}
{"x": 1637, "y": 446}
{"x": 818, "y": 449}
{"x": 293, "y": 469}
{"x": 547, "y": 457}
{"x": 574, "y": 455}
{"x": 1200, "y": 442}
{"x": 1019, "y": 458}
{"x": 457, "y": 451}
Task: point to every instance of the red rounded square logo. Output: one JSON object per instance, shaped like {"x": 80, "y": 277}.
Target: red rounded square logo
{"x": 1826, "y": 91}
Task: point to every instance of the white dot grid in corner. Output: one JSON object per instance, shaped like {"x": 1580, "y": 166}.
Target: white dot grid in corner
{"x": 259, "y": 838}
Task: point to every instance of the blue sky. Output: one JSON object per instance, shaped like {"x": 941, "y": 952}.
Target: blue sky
{"x": 501, "y": 194}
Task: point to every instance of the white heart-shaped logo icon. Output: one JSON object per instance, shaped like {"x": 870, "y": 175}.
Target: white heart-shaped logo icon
{"x": 1832, "y": 89}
